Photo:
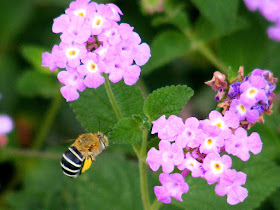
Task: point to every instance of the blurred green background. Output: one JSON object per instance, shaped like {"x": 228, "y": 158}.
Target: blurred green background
{"x": 31, "y": 177}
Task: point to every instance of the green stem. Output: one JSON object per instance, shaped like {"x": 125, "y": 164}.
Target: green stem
{"x": 205, "y": 51}
{"x": 47, "y": 122}
{"x": 112, "y": 97}
{"x": 156, "y": 204}
{"x": 136, "y": 149}
{"x": 143, "y": 172}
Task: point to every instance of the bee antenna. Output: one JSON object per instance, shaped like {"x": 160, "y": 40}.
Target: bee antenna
{"x": 108, "y": 131}
{"x": 99, "y": 125}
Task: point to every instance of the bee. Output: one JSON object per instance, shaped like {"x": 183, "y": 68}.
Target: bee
{"x": 80, "y": 155}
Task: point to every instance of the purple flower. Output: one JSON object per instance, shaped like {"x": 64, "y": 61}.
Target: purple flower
{"x": 189, "y": 133}
{"x": 240, "y": 144}
{"x": 74, "y": 30}
{"x": 168, "y": 129}
{"x": 192, "y": 165}
{"x": 252, "y": 90}
{"x": 229, "y": 120}
{"x": 6, "y": 124}
{"x": 234, "y": 90}
{"x": 230, "y": 185}
{"x": 215, "y": 166}
{"x": 73, "y": 81}
{"x": 92, "y": 68}
{"x": 244, "y": 110}
{"x": 167, "y": 156}
{"x": 210, "y": 140}
{"x": 173, "y": 185}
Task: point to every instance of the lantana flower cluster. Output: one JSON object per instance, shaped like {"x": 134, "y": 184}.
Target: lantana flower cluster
{"x": 248, "y": 97}
{"x": 270, "y": 9}
{"x": 195, "y": 146}
{"x": 92, "y": 43}
{"x": 6, "y": 126}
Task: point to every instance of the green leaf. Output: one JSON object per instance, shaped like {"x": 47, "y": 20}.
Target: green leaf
{"x": 153, "y": 143}
{"x": 94, "y": 105}
{"x": 207, "y": 31}
{"x": 167, "y": 101}
{"x": 240, "y": 49}
{"x": 112, "y": 182}
{"x": 165, "y": 48}
{"x": 262, "y": 179}
{"x": 126, "y": 131}
{"x": 33, "y": 54}
{"x": 14, "y": 17}
{"x": 33, "y": 83}
{"x": 221, "y": 13}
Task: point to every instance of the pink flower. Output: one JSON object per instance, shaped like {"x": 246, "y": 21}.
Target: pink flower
{"x": 230, "y": 185}
{"x": 50, "y": 59}
{"x": 74, "y": 30}
{"x": 168, "y": 129}
{"x": 73, "y": 81}
{"x": 192, "y": 165}
{"x": 92, "y": 68}
{"x": 6, "y": 124}
{"x": 253, "y": 90}
{"x": 167, "y": 156}
{"x": 173, "y": 185}
{"x": 215, "y": 166}
{"x": 189, "y": 133}
{"x": 240, "y": 144}
{"x": 210, "y": 139}
{"x": 79, "y": 8}
{"x": 229, "y": 120}
{"x": 70, "y": 55}
{"x": 244, "y": 110}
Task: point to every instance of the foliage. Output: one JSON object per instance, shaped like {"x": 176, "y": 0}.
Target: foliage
{"x": 189, "y": 40}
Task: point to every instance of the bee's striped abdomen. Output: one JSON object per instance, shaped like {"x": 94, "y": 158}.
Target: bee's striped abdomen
{"x": 71, "y": 162}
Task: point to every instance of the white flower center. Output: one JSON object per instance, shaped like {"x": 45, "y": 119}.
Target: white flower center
{"x": 217, "y": 167}
{"x": 220, "y": 123}
{"x": 72, "y": 52}
{"x": 92, "y": 67}
{"x": 80, "y": 12}
{"x": 252, "y": 92}
{"x": 97, "y": 22}
{"x": 241, "y": 109}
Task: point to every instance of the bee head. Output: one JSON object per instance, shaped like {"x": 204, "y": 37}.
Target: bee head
{"x": 103, "y": 139}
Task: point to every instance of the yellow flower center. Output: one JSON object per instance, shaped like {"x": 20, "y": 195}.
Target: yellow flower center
{"x": 217, "y": 166}
{"x": 92, "y": 67}
{"x": 209, "y": 141}
{"x": 219, "y": 124}
{"x": 72, "y": 53}
{"x": 252, "y": 91}
{"x": 98, "y": 21}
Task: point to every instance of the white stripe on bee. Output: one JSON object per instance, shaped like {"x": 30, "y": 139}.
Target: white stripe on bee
{"x": 71, "y": 162}
{"x": 71, "y": 150}
{"x": 68, "y": 169}
{"x": 74, "y": 176}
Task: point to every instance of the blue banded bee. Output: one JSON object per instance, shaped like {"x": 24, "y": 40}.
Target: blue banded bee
{"x": 80, "y": 155}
